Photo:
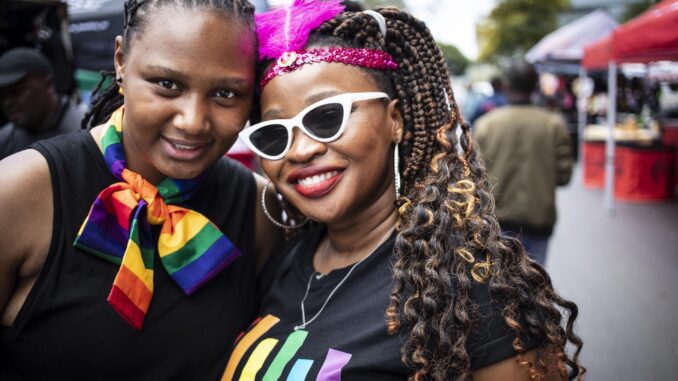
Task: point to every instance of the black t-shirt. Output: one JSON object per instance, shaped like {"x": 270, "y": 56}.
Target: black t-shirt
{"x": 348, "y": 340}
{"x": 66, "y": 330}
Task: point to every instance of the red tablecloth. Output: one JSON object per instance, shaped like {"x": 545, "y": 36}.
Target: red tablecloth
{"x": 670, "y": 137}
{"x": 641, "y": 173}
{"x": 644, "y": 174}
{"x": 594, "y": 165}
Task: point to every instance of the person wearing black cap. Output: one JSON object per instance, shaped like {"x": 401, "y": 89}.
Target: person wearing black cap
{"x": 30, "y": 102}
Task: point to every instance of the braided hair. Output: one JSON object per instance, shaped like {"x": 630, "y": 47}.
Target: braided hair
{"x": 108, "y": 99}
{"x": 448, "y": 236}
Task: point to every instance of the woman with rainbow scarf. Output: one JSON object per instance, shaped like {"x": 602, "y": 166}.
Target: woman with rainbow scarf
{"x": 401, "y": 271}
{"x": 128, "y": 249}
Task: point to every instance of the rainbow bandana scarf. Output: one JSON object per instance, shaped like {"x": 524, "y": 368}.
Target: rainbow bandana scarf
{"x": 118, "y": 228}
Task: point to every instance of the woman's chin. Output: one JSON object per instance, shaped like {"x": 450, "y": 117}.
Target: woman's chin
{"x": 184, "y": 170}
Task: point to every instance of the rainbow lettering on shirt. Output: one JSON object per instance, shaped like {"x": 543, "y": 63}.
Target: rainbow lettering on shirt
{"x": 284, "y": 354}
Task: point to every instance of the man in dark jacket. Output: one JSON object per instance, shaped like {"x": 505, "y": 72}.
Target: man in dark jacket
{"x": 527, "y": 153}
{"x": 30, "y": 102}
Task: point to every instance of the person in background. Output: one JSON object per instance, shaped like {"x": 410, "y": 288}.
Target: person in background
{"x": 30, "y": 102}
{"x": 470, "y": 100}
{"x": 487, "y": 104}
{"x": 130, "y": 248}
{"x": 527, "y": 154}
{"x": 402, "y": 273}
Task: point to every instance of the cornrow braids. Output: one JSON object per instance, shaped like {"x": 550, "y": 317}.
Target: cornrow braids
{"x": 448, "y": 236}
{"x": 108, "y": 99}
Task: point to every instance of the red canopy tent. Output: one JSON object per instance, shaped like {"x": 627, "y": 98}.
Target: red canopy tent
{"x": 597, "y": 55}
{"x": 652, "y": 36}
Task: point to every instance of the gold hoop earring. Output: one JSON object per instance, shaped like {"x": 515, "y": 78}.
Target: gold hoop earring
{"x": 121, "y": 91}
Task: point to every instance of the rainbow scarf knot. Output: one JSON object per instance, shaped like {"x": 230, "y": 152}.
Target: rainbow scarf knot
{"x": 118, "y": 229}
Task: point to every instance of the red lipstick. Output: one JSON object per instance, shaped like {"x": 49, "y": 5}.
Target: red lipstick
{"x": 315, "y": 181}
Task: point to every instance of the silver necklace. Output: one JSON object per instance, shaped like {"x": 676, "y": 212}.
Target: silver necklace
{"x": 318, "y": 275}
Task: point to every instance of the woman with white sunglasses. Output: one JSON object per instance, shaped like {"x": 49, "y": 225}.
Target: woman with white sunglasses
{"x": 401, "y": 272}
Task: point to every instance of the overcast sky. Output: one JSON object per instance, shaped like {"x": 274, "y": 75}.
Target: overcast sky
{"x": 450, "y": 21}
{"x": 453, "y": 21}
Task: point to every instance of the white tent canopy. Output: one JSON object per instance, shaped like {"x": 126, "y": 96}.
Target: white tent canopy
{"x": 567, "y": 43}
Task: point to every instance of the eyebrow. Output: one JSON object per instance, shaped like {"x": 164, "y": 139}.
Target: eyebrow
{"x": 320, "y": 96}
{"x": 222, "y": 81}
{"x": 275, "y": 113}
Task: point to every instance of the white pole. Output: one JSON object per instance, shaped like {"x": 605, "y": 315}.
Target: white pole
{"x": 609, "y": 144}
{"x": 582, "y": 100}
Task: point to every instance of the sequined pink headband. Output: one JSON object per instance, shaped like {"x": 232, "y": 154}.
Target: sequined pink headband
{"x": 367, "y": 58}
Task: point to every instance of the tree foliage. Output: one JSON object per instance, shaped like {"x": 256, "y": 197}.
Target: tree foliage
{"x": 514, "y": 26}
{"x": 635, "y": 9}
{"x": 456, "y": 60}
{"x": 371, "y": 4}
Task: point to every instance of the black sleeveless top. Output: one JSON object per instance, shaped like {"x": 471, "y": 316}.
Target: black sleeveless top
{"x": 66, "y": 330}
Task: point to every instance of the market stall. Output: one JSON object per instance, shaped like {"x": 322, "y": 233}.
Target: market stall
{"x": 557, "y": 57}
{"x": 651, "y": 37}
{"x": 562, "y": 50}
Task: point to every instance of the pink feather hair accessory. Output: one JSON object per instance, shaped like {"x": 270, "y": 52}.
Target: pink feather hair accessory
{"x": 286, "y": 29}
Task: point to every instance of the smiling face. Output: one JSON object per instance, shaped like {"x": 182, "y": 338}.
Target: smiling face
{"x": 188, "y": 79}
{"x": 339, "y": 181}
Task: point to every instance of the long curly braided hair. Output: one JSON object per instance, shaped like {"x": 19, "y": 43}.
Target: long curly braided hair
{"x": 108, "y": 99}
{"x": 448, "y": 236}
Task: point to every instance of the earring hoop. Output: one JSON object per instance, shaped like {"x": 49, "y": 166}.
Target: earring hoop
{"x": 396, "y": 170}
{"x": 121, "y": 91}
{"x": 270, "y": 218}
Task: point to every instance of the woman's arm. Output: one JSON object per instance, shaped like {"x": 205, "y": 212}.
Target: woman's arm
{"x": 25, "y": 227}
{"x": 268, "y": 236}
{"x": 510, "y": 370}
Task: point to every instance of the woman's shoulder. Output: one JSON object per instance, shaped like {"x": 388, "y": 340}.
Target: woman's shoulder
{"x": 24, "y": 177}
{"x": 26, "y": 196}
{"x": 228, "y": 181}
{"x": 69, "y": 140}
{"x": 228, "y": 188}
{"x": 230, "y": 170}
{"x": 73, "y": 148}
{"x": 227, "y": 184}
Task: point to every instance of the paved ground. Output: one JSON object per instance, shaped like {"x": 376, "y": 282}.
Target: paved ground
{"x": 622, "y": 271}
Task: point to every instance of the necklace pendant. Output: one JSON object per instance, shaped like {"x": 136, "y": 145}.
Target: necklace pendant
{"x": 319, "y": 276}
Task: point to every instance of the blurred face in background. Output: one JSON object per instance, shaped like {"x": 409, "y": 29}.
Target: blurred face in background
{"x": 28, "y": 102}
